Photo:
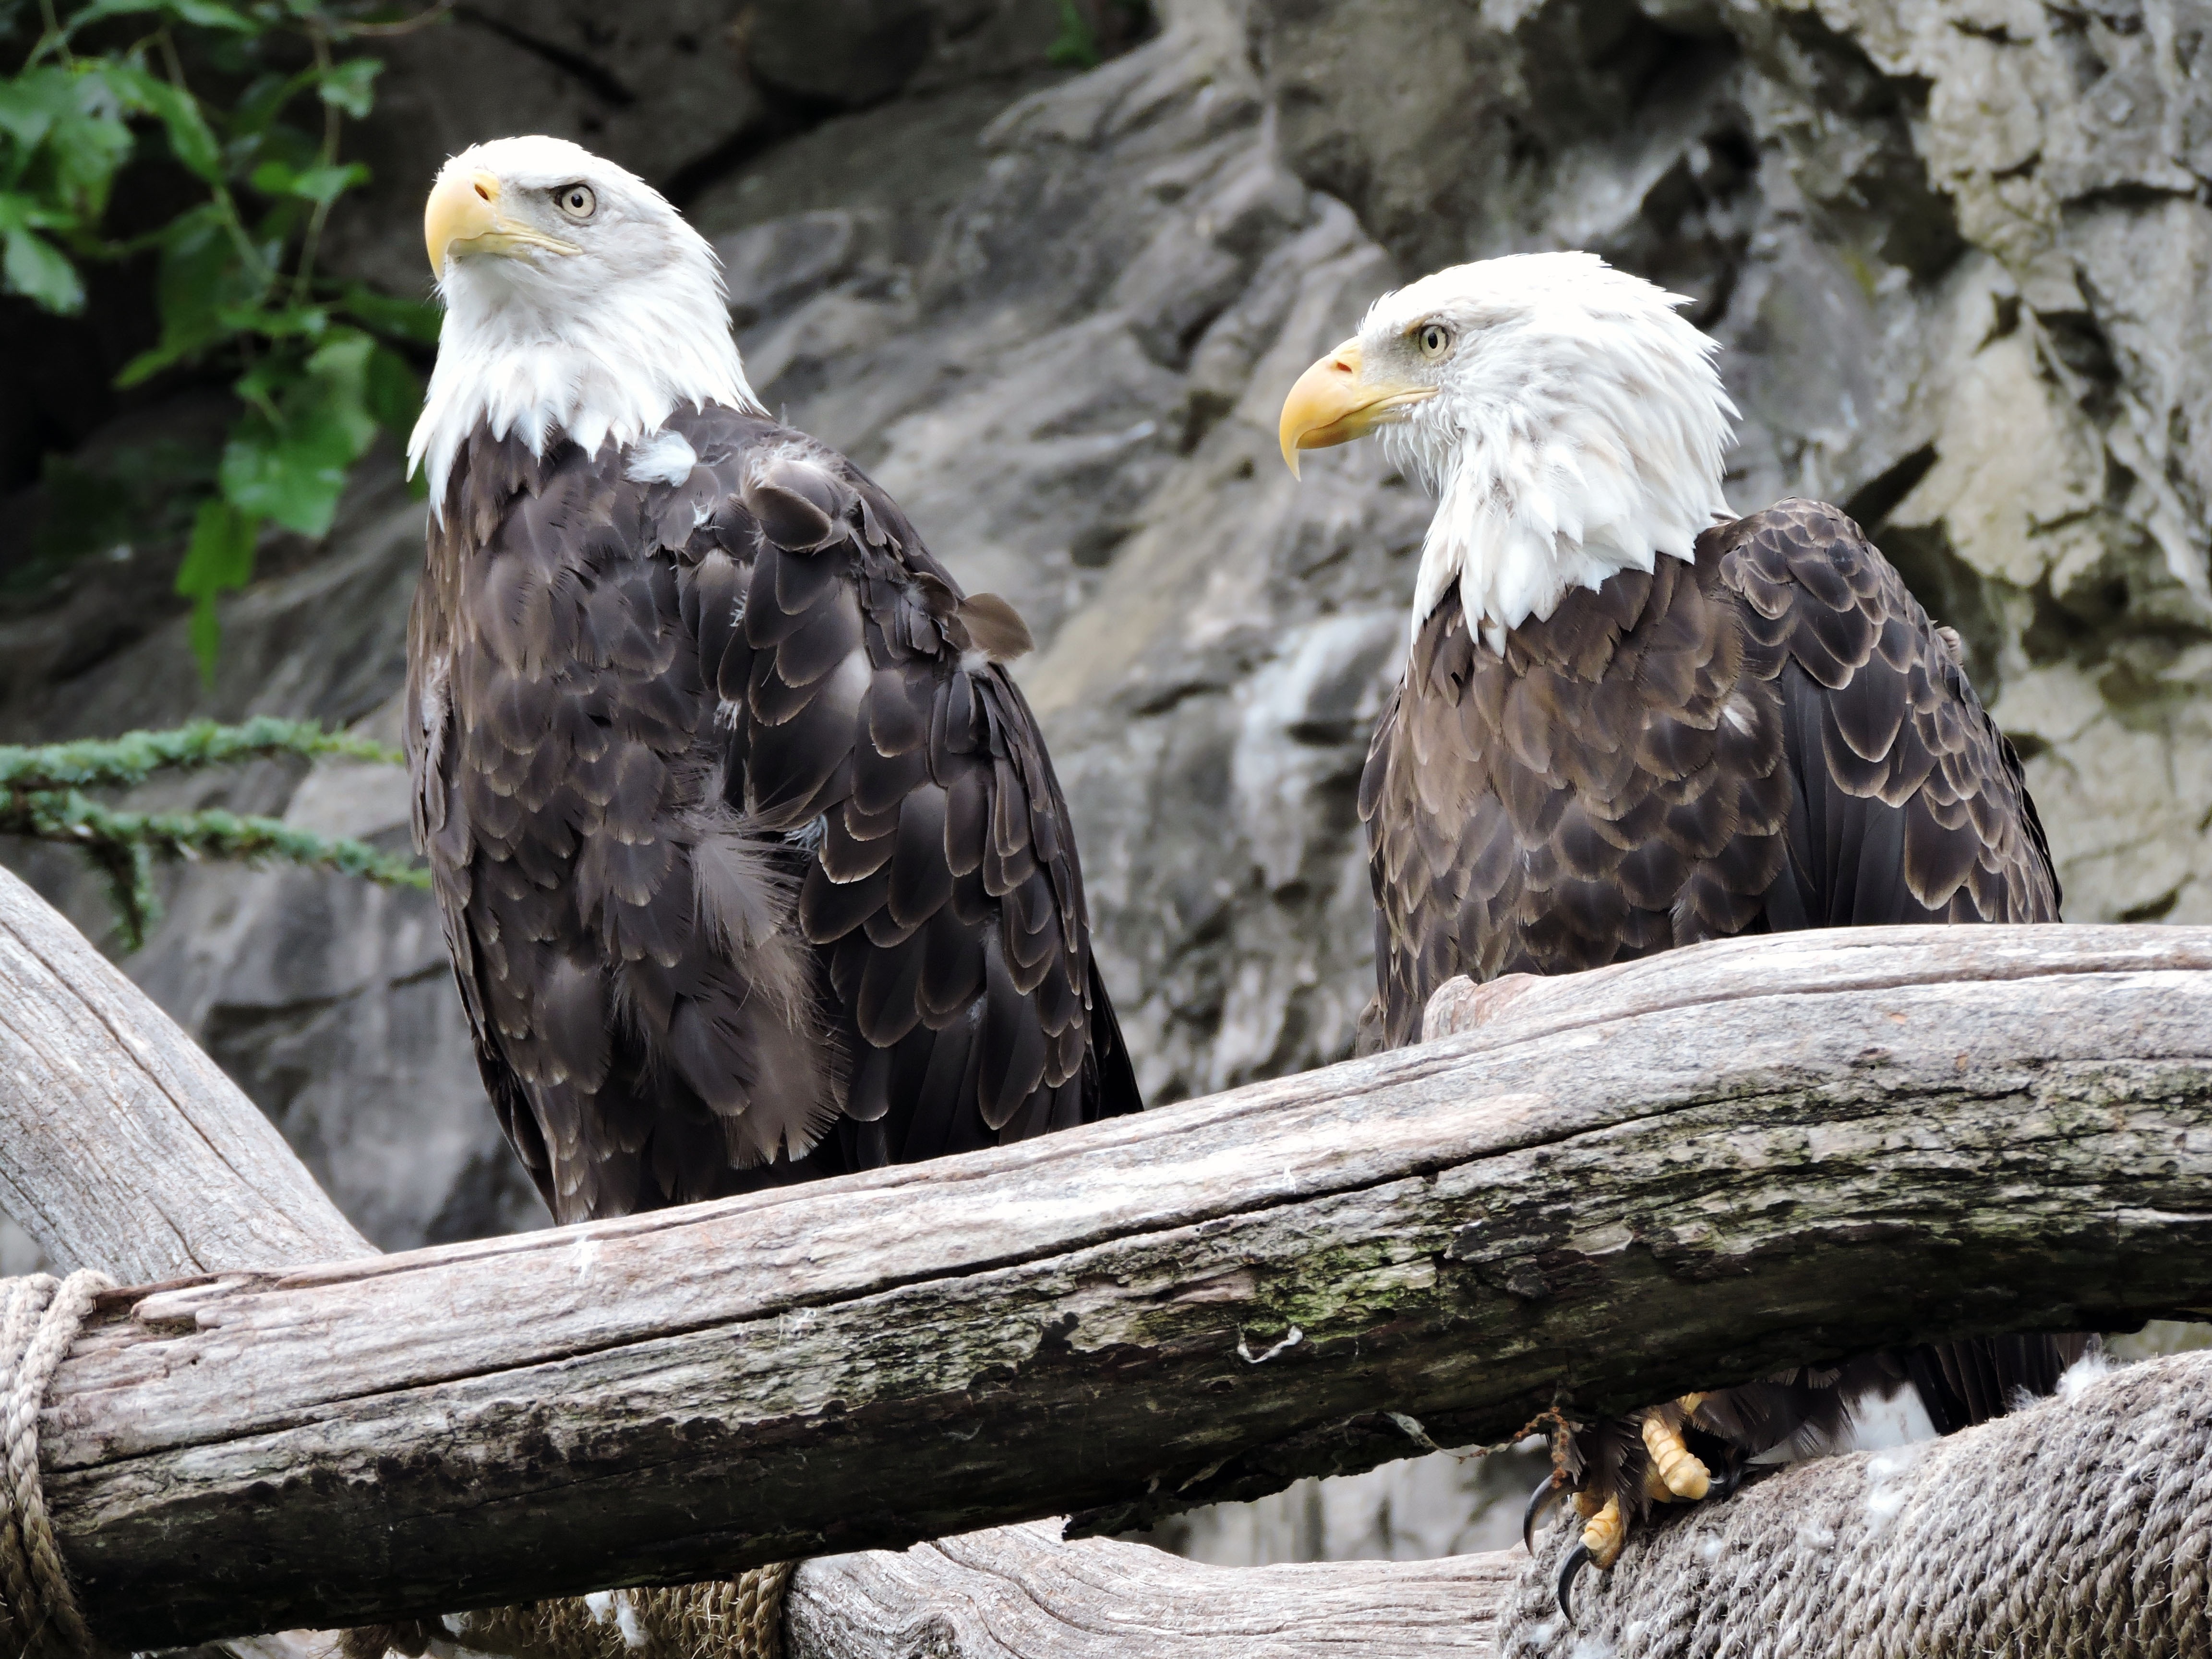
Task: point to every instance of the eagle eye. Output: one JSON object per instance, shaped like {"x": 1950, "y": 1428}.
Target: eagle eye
{"x": 1433, "y": 338}
{"x": 576, "y": 201}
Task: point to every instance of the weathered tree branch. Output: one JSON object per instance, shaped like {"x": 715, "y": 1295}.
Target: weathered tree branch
{"x": 1204, "y": 1302}
{"x": 111, "y": 1121}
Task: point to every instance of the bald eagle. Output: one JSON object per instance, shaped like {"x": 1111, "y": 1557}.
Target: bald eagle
{"x": 751, "y": 862}
{"x": 1631, "y": 720}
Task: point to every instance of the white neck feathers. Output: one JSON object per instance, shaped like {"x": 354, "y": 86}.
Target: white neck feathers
{"x": 599, "y": 369}
{"x": 1582, "y": 435}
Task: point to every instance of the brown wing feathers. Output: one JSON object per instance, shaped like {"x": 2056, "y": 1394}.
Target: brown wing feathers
{"x": 1775, "y": 736}
{"x": 753, "y": 864}
{"x": 1906, "y": 803}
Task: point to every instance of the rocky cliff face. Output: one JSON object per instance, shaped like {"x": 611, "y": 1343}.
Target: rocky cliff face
{"x": 1956, "y": 249}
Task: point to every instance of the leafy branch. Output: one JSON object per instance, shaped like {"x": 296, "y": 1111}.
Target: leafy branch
{"x": 42, "y": 797}
{"x": 317, "y": 365}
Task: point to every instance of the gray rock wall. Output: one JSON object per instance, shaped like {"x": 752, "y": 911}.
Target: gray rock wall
{"x": 1956, "y": 249}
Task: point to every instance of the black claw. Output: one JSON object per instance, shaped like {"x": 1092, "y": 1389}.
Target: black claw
{"x": 1577, "y": 1559}
{"x": 1547, "y": 1494}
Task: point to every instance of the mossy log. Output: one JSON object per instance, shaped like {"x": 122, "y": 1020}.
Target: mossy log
{"x": 1996, "y": 1128}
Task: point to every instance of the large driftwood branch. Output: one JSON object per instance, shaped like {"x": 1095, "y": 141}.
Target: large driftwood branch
{"x": 1691, "y": 1186}
{"x": 111, "y": 1119}
{"x": 202, "y": 1183}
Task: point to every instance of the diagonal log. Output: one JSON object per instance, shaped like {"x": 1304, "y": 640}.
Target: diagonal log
{"x": 112, "y": 1124}
{"x": 1690, "y": 1182}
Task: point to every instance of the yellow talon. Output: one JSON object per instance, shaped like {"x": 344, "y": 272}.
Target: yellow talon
{"x": 1684, "y": 1474}
{"x": 1604, "y": 1535}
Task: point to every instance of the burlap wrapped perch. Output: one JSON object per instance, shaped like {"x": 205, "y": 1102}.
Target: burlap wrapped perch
{"x": 739, "y": 1617}
{"x": 2078, "y": 1528}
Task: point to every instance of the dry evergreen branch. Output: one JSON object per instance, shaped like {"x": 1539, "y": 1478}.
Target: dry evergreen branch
{"x": 44, "y": 800}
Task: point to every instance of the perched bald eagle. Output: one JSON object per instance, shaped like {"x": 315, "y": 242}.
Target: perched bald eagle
{"x": 752, "y": 864}
{"x": 1631, "y": 721}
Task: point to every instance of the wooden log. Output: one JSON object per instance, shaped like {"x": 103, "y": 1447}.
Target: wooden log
{"x": 1302, "y": 1277}
{"x": 172, "y": 1204}
{"x": 113, "y": 1118}
{"x": 1023, "y": 1592}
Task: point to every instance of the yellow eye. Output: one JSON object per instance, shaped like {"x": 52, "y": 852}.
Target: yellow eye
{"x": 576, "y": 201}
{"x": 1434, "y": 339}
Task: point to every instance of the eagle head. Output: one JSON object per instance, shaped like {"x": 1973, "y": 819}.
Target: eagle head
{"x": 579, "y": 305}
{"x": 1569, "y": 420}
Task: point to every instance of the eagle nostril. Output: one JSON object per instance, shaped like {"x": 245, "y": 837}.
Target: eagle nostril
{"x": 484, "y": 193}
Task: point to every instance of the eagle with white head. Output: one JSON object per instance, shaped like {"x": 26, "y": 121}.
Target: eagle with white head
{"x": 1632, "y": 720}
{"x": 752, "y": 864}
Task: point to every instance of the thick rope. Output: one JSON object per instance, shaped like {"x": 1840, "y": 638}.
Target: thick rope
{"x": 739, "y": 1617}
{"x": 39, "y": 1612}
{"x": 2080, "y": 1528}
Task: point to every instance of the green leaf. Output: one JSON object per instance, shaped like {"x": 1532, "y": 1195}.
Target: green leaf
{"x": 262, "y": 101}
{"x": 192, "y": 141}
{"x": 322, "y": 184}
{"x": 287, "y": 458}
{"x": 42, "y": 272}
{"x": 208, "y": 14}
{"x": 407, "y": 319}
{"x": 391, "y": 394}
{"x": 220, "y": 560}
{"x": 88, "y": 142}
{"x": 351, "y": 86}
{"x": 203, "y": 285}
{"x": 32, "y": 101}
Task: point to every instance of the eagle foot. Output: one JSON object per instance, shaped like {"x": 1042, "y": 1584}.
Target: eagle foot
{"x": 1680, "y": 1472}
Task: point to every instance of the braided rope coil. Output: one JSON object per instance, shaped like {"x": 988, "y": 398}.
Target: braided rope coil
{"x": 40, "y": 1317}
{"x": 2080, "y": 1528}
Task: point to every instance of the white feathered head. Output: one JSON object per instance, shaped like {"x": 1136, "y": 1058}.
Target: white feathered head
{"x": 579, "y": 304}
{"x": 1569, "y": 420}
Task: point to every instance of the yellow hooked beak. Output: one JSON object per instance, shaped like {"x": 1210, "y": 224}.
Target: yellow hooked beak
{"x": 1334, "y": 402}
{"x": 463, "y": 216}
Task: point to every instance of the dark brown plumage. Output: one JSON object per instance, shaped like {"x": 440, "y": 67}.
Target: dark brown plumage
{"x": 752, "y": 863}
{"x": 1772, "y": 738}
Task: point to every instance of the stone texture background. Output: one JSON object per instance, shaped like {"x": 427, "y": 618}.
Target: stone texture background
{"x": 1960, "y": 252}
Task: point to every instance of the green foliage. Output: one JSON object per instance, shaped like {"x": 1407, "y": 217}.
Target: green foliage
{"x": 1077, "y": 46}
{"x": 318, "y": 366}
{"x": 42, "y": 796}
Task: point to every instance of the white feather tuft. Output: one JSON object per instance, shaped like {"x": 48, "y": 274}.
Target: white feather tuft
{"x": 1578, "y": 431}
{"x": 665, "y": 457}
{"x": 2090, "y": 1369}
{"x": 601, "y": 346}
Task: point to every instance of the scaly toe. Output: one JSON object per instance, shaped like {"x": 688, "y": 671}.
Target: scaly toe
{"x": 1604, "y": 1532}
{"x": 1680, "y": 1470}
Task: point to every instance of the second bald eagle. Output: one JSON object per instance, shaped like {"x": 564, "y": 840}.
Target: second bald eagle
{"x": 1632, "y": 720}
{"x": 752, "y": 864}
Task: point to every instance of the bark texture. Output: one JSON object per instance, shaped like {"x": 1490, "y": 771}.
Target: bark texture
{"x": 1691, "y": 1186}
